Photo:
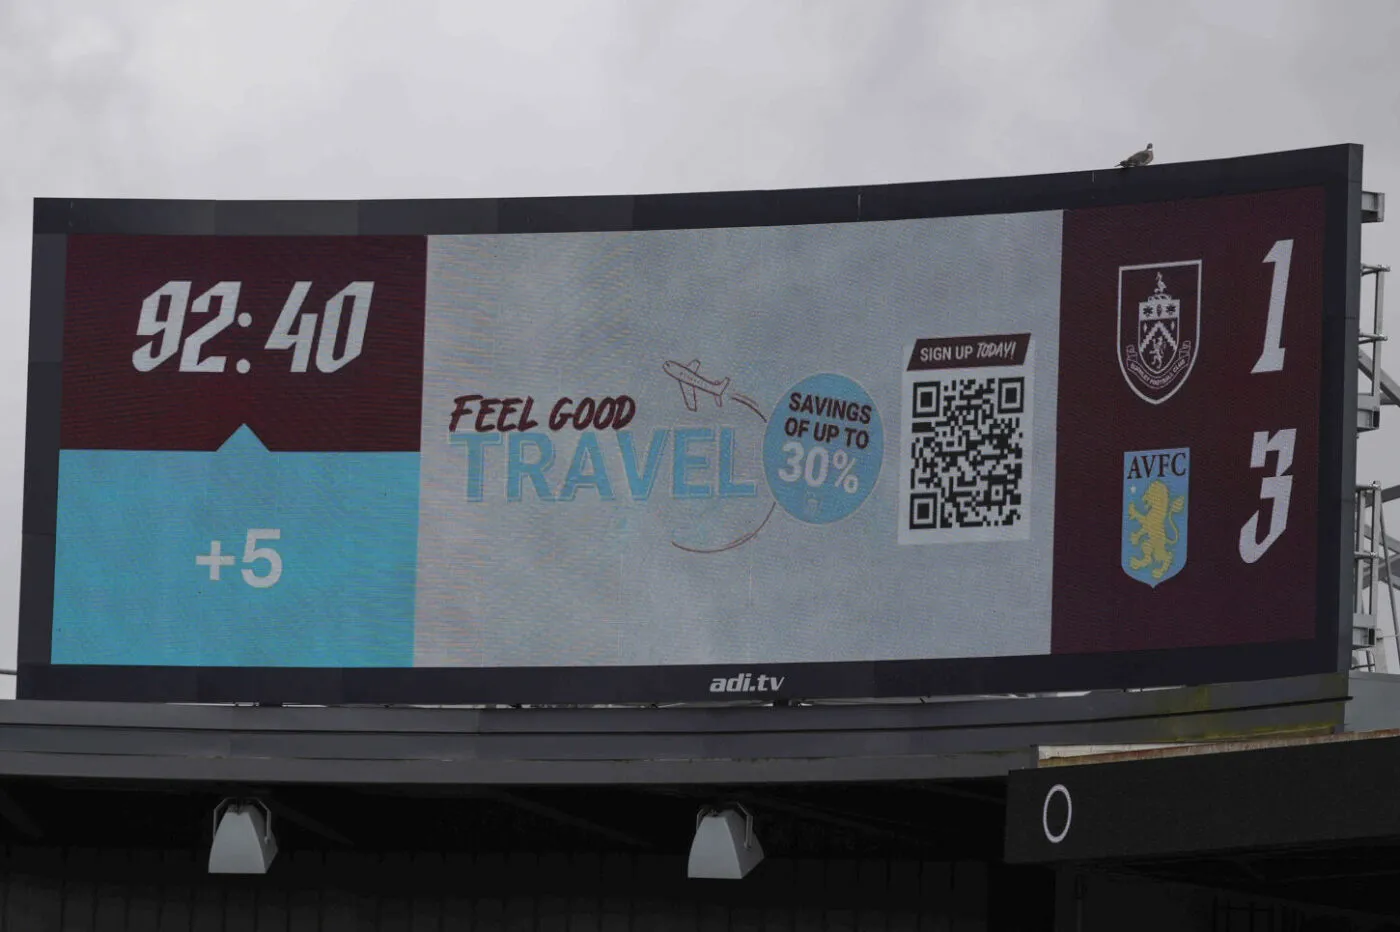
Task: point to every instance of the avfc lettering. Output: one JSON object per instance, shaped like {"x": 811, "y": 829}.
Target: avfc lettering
{"x": 1157, "y": 463}
{"x": 1156, "y": 496}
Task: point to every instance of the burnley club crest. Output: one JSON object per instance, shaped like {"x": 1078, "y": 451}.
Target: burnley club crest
{"x": 1159, "y": 326}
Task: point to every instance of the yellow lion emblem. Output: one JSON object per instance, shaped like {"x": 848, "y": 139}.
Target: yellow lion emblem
{"x": 1151, "y": 533}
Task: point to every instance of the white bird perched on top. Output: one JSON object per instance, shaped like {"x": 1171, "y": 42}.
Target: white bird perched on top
{"x": 1142, "y": 157}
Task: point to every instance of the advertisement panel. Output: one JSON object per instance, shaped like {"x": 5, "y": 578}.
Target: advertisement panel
{"x": 869, "y": 442}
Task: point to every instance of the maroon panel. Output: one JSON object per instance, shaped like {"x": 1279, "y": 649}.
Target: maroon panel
{"x": 1135, "y": 394}
{"x": 371, "y": 403}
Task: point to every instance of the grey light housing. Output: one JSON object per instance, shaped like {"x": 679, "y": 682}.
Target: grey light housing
{"x": 243, "y": 839}
{"x": 724, "y": 847}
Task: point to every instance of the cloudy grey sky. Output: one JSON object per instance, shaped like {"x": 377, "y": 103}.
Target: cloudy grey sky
{"x": 352, "y": 99}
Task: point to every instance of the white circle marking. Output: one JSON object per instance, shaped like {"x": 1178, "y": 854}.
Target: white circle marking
{"x": 1053, "y": 838}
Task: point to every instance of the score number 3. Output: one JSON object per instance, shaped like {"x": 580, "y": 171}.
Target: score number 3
{"x": 1278, "y": 487}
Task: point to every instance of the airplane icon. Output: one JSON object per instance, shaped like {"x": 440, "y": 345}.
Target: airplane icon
{"x": 689, "y": 379}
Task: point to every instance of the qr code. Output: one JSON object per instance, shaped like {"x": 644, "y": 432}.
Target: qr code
{"x": 965, "y": 442}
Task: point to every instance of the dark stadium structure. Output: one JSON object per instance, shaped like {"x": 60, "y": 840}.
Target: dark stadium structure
{"x": 926, "y": 816}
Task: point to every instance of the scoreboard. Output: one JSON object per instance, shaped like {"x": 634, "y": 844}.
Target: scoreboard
{"x": 1055, "y": 432}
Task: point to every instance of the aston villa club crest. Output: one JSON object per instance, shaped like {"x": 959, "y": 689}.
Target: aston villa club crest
{"x": 1156, "y": 504}
{"x": 1159, "y": 326}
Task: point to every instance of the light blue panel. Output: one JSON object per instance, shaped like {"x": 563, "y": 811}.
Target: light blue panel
{"x": 128, "y": 589}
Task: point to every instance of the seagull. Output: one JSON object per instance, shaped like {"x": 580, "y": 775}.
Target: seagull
{"x": 1137, "y": 158}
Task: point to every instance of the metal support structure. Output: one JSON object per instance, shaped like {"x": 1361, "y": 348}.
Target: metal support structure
{"x": 1376, "y": 555}
{"x": 1390, "y": 389}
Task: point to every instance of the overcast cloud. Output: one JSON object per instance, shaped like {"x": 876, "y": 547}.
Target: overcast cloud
{"x": 347, "y": 99}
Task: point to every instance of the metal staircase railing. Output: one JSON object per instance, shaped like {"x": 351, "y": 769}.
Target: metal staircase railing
{"x": 1376, "y": 555}
{"x": 1368, "y": 408}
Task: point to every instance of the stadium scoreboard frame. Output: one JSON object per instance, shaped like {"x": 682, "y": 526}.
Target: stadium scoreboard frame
{"x": 465, "y": 453}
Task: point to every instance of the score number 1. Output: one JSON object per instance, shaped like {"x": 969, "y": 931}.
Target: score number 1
{"x": 1271, "y": 358}
{"x": 1276, "y": 488}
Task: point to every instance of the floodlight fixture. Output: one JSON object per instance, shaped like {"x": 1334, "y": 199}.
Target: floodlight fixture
{"x": 243, "y": 839}
{"x": 724, "y": 847}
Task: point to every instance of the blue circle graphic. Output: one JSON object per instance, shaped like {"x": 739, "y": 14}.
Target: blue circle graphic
{"x": 822, "y": 448}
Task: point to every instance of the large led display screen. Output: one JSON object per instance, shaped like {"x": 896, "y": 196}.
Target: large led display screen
{"x": 860, "y": 443}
